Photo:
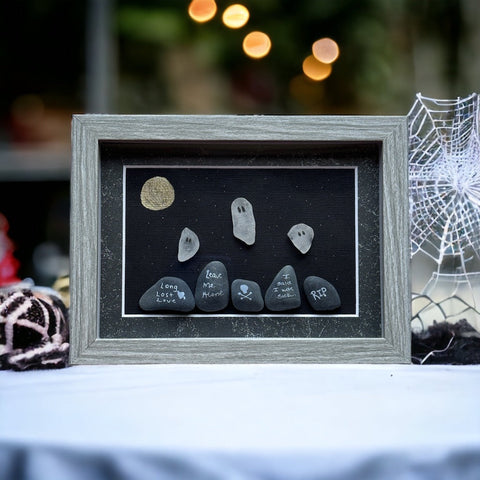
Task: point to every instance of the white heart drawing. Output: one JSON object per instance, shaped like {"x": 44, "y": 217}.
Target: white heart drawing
{"x": 244, "y": 288}
{"x": 181, "y": 295}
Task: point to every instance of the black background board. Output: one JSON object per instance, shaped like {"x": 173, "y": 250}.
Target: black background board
{"x": 281, "y": 198}
{"x": 286, "y": 183}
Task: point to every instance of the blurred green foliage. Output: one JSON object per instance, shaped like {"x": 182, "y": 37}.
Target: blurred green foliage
{"x": 390, "y": 49}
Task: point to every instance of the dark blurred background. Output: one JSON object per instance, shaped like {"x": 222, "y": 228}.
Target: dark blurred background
{"x": 59, "y": 57}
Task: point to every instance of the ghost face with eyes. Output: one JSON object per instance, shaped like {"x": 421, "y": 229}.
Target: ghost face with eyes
{"x": 188, "y": 245}
{"x": 301, "y": 236}
{"x": 243, "y": 220}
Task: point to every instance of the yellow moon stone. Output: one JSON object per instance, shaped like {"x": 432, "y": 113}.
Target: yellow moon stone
{"x": 157, "y": 193}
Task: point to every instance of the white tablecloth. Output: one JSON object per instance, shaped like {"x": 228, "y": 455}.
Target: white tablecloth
{"x": 270, "y": 422}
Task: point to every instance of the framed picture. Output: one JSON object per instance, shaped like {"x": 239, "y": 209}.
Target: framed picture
{"x": 239, "y": 239}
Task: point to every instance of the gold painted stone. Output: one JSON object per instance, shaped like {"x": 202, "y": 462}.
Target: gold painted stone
{"x": 157, "y": 193}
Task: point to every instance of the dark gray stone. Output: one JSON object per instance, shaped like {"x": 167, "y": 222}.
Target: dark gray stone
{"x": 301, "y": 235}
{"x": 243, "y": 220}
{"x": 283, "y": 293}
{"x": 321, "y": 294}
{"x": 188, "y": 245}
{"x": 247, "y": 296}
{"x": 168, "y": 294}
{"x": 212, "y": 292}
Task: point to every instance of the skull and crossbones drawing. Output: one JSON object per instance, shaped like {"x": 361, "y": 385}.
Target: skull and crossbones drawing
{"x": 243, "y": 293}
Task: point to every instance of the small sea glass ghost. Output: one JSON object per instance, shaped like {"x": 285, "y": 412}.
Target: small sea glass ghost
{"x": 188, "y": 245}
{"x": 243, "y": 220}
{"x": 301, "y": 236}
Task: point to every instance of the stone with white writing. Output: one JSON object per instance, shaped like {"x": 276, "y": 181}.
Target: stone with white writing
{"x": 321, "y": 294}
{"x": 188, "y": 245}
{"x": 168, "y": 294}
{"x": 212, "y": 292}
{"x": 301, "y": 236}
{"x": 243, "y": 220}
{"x": 246, "y": 296}
{"x": 283, "y": 293}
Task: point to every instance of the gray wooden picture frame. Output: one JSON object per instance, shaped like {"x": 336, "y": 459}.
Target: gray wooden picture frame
{"x": 87, "y": 347}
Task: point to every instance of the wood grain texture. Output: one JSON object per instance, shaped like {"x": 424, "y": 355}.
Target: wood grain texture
{"x": 87, "y": 130}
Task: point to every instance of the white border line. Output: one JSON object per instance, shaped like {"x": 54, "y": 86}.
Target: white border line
{"x": 357, "y": 270}
{"x": 124, "y": 228}
{"x": 230, "y": 315}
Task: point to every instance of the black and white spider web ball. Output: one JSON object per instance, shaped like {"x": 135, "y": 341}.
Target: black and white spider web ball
{"x": 33, "y": 330}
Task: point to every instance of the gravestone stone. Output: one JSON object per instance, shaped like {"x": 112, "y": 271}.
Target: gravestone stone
{"x": 170, "y": 294}
{"x": 321, "y": 294}
{"x": 247, "y": 296}
{"x": 283, "y": 293}
{"x": 212, "y": 292}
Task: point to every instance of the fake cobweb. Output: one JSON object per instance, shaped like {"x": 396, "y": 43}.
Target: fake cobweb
{"x": 444, "y": 159}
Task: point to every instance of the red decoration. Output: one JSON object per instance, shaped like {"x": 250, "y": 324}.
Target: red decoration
{"x": 8, "y": 263}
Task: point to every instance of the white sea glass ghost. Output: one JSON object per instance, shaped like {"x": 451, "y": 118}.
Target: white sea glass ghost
{"x": 243, "y": 220}
{"x": 188, "y": 245}
{"x": 301, "y": 236}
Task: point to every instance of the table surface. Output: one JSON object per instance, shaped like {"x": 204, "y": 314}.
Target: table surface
{"x": 301, "y": 417}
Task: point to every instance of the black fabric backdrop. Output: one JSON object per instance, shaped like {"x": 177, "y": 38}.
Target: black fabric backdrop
{"x": 281, "y": 198}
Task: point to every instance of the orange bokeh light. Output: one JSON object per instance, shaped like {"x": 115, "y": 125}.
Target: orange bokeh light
{"x": 325, "y": 50}
{"x": 316, "y": 70}
{"x": 257, "y": 44}
{"x": 235, "y": 16}
{"x": 202, "y": 10}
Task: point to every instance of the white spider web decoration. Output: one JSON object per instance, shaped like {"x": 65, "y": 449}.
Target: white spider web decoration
{"x": 444, "y": 171}
{"x": 445, "y": 177}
